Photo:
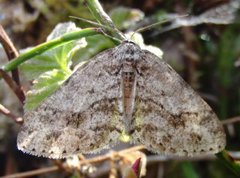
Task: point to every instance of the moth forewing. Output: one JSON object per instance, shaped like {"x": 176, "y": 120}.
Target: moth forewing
{"x": 123, "y": 90}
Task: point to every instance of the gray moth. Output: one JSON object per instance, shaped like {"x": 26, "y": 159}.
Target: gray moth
{"x": 122, "y": 90}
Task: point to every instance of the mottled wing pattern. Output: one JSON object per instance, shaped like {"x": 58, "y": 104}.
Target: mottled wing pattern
{"x": 170, "y": 118}
{"x": 81, "y": 117}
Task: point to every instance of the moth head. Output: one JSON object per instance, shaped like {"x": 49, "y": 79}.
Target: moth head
{"x": 128, "y": 52}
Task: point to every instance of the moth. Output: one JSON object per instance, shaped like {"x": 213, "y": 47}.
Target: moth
{"x": 123, "y": 90}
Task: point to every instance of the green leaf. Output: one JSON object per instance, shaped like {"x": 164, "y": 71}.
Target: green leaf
{"x": 51, "y": 68}
{"x": 44, "y": 86}
{"x": 124, "y": 17}
{"x": 95, "y": 44}
{"x": 57, "y": 58}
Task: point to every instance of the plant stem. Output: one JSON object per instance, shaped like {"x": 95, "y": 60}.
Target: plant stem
{"x": 66, "y": 38}
{"x": 102, "y": 17}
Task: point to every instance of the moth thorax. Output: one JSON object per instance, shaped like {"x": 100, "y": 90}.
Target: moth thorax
{"x": 129, "y": 65}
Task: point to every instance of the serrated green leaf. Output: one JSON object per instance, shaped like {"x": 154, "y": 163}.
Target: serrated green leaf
{"x": 44, "y": 86}
{"x": 57, "y": 58}
{"x": 50, "y": 69}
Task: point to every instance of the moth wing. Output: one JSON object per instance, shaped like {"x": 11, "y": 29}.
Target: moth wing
{"x": 170, "y": 117}
{"x": 82, "y": 116}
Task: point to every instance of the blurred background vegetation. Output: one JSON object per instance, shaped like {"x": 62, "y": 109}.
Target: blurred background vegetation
{"x": 203, "y": 47}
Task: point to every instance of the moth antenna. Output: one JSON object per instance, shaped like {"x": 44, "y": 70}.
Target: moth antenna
{"x": 90, "y": 22}
{"x": 155, "y": 24}
{"x": 98, "y": 25}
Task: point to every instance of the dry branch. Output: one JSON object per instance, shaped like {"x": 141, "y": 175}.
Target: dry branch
{"x": 7, "y": 113}
{"x": 12, "y": 84}
{"x": 231, "y": 120}
{"x": 10, "y": 51}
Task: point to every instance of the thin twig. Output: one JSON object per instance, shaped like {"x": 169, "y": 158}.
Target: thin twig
{"x": 120, "y": 153}
{"x": 12, "y": 84}
{"x": 56, "y": 168}
{"x": 8, "y": 113}
{"x": 154, "y": 159}
{"x": 150, "y": 160}
{"x": 132, "y": 149}
{"x": 10, "y": 51}
{"x": 109, "y": 156}
{"x": 231, "y": 120}
{"x": 33, "y": 173}
{"x": 113, "y": 170}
